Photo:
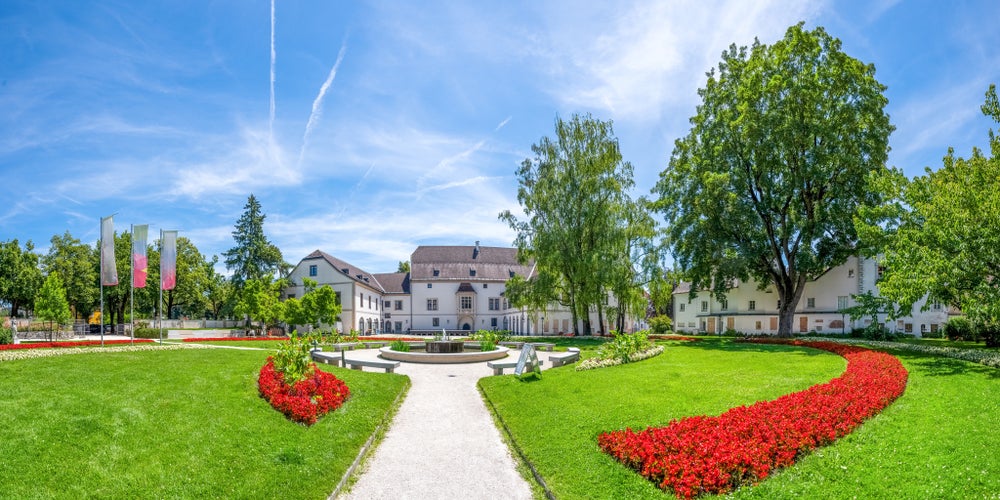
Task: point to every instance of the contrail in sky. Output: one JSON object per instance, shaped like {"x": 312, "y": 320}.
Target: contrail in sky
{"x": 317, "y": 108}
{"x": 270, "y": 121}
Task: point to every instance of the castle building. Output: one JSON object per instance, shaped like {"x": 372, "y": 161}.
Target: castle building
{"x": 748, "y": 309}
{"x": 454, "y": 288}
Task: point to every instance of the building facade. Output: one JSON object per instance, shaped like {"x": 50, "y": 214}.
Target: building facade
{"x": 747, "y": 309}
{"x": 454, "y": 288}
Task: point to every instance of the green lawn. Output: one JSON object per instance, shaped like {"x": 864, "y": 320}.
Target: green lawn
{"x": 172, "y": 424}
{"x": 556, "y": 420}
{"x": 939, "y": 440}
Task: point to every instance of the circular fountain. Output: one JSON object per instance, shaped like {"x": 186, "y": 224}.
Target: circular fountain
{"x": 443, "y": 351}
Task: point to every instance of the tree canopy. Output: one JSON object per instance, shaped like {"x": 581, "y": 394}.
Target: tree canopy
{"x": 947, "y": 245}
{"x": 253, "y": 257}
{"x": 780, "y": 156}
{"x": 579, "y": 219}
{"x": 77, "y": 266}
{"x": 20, "y": 277}
{"x": 51, "y": 304}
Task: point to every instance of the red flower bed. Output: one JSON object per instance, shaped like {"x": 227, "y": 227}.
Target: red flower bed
{"x": 230, "y": 339}
{"x": 80, "y": 343}
{"x": 672, "y": 337}
{"x": 707, "y": 455}
{"x": 306, "y": 400}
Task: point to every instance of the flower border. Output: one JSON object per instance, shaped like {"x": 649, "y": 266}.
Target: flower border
{"x": 69, "y": 343}
{"x": 306, "y": 400}
{"x": 709, "y": 455}
{"x": 592, "y": 363}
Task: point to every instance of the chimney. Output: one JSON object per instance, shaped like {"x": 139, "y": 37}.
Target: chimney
{"x": 475, "y": 252}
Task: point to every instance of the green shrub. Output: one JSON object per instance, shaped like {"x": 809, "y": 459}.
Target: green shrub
{"x": 877, "y": 331}
{"x": 292, "y": 359}
{"x": 6, "y": 336}
{"x": 937, "y": 334}
{"x": 148, "y": 333}
{"x": 660, "y": 325}
{"x": 486, "y": 345}
{"x": 960, "y": 328}
{"x": 990, "y": 333}
{"x": 624, "y": 347}
{"x": 492, "y": 337}
{"x": 399, "y": 345}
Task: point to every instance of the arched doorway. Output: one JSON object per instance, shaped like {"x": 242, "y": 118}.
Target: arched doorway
{"x": 466, "y": 327}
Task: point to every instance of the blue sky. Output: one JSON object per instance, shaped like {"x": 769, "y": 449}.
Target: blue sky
{"x": 392, "y": 125}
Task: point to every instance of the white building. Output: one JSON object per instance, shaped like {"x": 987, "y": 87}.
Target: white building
{"x": 455, "y": 288}
{"x": 746, "y": 309}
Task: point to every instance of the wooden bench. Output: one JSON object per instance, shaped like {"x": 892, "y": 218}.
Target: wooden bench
{"x": 498, "y": 366}
{"x": 572, "y": 354}
{"x": 543, "y": 345}
{"x": 356, "y": 364}
{"x": 326, "y": 358}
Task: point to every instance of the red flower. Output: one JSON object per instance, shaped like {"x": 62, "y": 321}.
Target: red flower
{"x": 80, "y": 343}
{"x": 306, "y": 400}
{"x": 699, "y": 455}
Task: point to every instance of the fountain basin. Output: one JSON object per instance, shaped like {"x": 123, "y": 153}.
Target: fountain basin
{"x": 443, "y": 358}
{"x": 444, "y": 346}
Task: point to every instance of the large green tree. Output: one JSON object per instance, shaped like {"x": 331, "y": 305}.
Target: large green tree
{"x": 51, "y": 304}
{"x": 317, "y": 306}
{"x": 20, "y": 277}
{"x": 574, "y": 193}
{"x": 780, "y": 156}
{"x": 947, "y": 244}
{"x": 253, "y": 257}
{"x": 77, "y": 266}
{"x": 194, "y": 278}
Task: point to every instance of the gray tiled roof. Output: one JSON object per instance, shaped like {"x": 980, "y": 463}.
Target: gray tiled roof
{"x": 460, "y": 262}
{"x": 394, "y": 282}
{"x": 354, "y": 272}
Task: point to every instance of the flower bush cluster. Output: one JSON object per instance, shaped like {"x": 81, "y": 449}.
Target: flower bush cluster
{"x": 45, "y": 353}
{"x": 598, "y": 362}
{"x": 707, "y": 455}
{"x": 230, "y": 339}
{"x": 79, "y": 343}
{"x": 306, "y": 400}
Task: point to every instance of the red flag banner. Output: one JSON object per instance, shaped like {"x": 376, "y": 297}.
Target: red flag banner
{"x": 139, "y": 263}
{"x": 109, "y": 273}
{"x": 168, "y": 260}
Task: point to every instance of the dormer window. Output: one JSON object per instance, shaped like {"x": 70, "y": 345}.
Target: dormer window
{"x": 437, "y": 272}
{"x": 511, "y": 273}
{"x": 472, "y": 272}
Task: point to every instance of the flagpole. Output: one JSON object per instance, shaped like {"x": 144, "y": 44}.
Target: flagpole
{"x": 131, "y": 297}
{"x": 159, "y": 302}
{"x": 100, "y": 325}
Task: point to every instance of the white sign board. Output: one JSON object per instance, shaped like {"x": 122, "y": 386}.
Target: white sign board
{"x": 528, "y": 359}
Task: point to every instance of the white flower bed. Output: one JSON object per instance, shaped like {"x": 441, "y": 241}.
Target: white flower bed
{"x": 44, "y": 353}
{"x": 981, "y": 356}
{"x": 591, "y": 363}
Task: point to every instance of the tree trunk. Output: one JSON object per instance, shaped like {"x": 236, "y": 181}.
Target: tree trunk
{"x": 600, "y": 318}
{"x": 790, "y": 296}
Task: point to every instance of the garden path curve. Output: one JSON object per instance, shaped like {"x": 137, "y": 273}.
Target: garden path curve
{"x": 442, "y": 443}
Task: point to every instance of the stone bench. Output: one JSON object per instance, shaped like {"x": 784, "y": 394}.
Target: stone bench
{"x": 515, "y": 345}
{"x": 374, "y": 345}
{"x": 543, "y": 345}
{"x": 326, "y": 358}
{"x": 346, "y": 346}
{"x": 356, "y": 364}
{"x": 572, "y": 354}
{"x": 498, "y": 366}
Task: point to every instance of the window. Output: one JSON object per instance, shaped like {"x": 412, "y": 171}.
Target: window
{"x": 369, "y": 302}
{"x": 937, "y": 306}
{"x": 493, "y": 322}
{"x": 466, "y": 302}
{"x": 757, "y": 325}
{"x": 399, "y": 305}
{"x": 429, "y": 285}
{"x": 437, "y": 272}
{"x": 486, "y": 285}
{"x": 432, "y": 304}
{"x": 752, "y": 306}
{"x": 398, "y": 327}
{"x": 909, "y": 328}
{"x": 881, "y": 270}
{"x": 704, "y": 306}
{"x": 291, "y": 295}
{"x": 472, "y": 272}
{"x": 724, "y": 304}
{"x": 387, "y": 304}
{"x": 435, "y": 322}
{"x": 681, "y": 307}
{"x": 842, "y": 302}
{"x": 338, "y": 297}
{"x": 850, "y": 273}
{"x": 312, "y": 270}
{"x": 811, "y": 302}
{"x": 494, "y": 303}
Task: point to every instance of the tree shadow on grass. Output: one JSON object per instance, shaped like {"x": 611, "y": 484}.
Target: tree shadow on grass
{"x": 940, "y": 366}
{"x": 730, "y": 345}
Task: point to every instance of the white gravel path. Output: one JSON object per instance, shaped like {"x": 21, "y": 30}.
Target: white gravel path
{"x": 442, "y": 443}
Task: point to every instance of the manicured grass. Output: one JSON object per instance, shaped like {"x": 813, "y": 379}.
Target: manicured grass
{"x": 556, "y": 420}
{"x": 259, "y": 344}
{"x": 170, "y": 424}
{"x": 939, "y": 440}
